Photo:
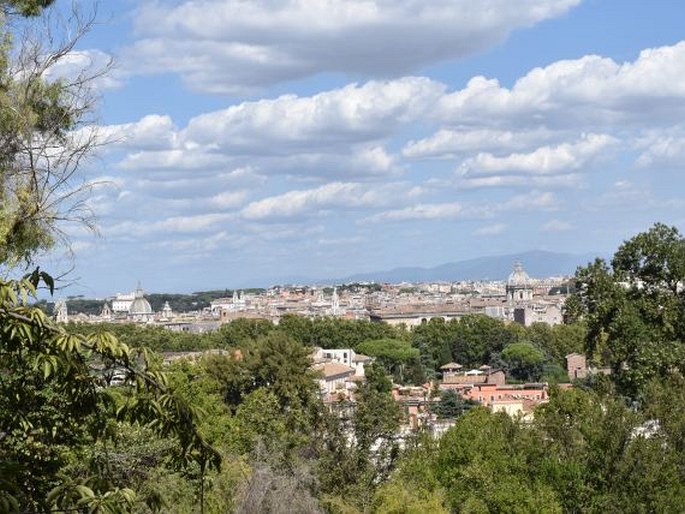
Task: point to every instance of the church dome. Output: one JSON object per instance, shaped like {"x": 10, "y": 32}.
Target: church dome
{"x": 140, "y": 305}
{"x": 518, "y": 277}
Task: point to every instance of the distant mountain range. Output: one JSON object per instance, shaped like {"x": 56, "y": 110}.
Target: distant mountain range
{"x": 537, "y": 263}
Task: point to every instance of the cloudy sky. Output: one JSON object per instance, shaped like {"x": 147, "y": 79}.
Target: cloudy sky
{"x": 255, "y": 139}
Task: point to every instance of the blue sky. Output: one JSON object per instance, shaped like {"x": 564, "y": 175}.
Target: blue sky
{"x": 274, "y": 138}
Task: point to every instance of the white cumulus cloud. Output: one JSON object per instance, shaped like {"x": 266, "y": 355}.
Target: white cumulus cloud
{"x": 226, "y": 46}
{"x": 450, "y": 143}
{"x": 297, "y": 202}
{"x": 565, "y": 157}
{"x": 589, "y": 91}
{"x": 664, "y": 147}
{"x": 351, "y": 114}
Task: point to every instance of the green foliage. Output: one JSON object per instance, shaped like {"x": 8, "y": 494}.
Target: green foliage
{"x": 595, "y": 446}
{"x": 524, "y": 361}
{"x": 54, "y": 405}
{"x": 663, "y": 402}
{"x": 330, "y": 332}
{"x": 478, "y": 337}
{"x": 584, "y": 452}
{"x": 451, "y": 405}
{"x": 398, "y": 358}
{"x": 392, "y": 350}
{"x": 434, "y": 340}
{"x": 475, "y": 340}
{"x": 156, "y": 338}
{"x": 190, "y": 382}
{"x": 239, "y": 332}
{"x": 38, "y": 152}
{"x": 635, "y": 309}
{"x": 656, "y": 258}
{"x": 471, "y": 341}
{"x": 377, "y": 415}
{"x": 397, "y": 498}
{"x": 350, "y": 468}
{"x": 259, "y": 421}
{"x": 483, "y": 466}
{"x": 27, "y": 7}
{"x": 270, "y": 387}
{"x": 554, "y": 374}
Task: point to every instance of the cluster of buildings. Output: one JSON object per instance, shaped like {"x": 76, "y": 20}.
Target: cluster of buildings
{"x": 342, "y": 370}
{"x": 520, "y": 298}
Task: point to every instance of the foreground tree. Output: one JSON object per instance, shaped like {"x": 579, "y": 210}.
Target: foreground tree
{"x": 600, "y": 455}
{"x": 55, "y": 404}
{"x": 357, "y": 451}
{"x": 483, "y": 466}
{"x": 41, "y": 145}
{"x": 635, "y": 308}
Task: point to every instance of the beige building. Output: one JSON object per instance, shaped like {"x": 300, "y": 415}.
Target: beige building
{"x": 576, "y": 365}
{"x": 538, "y": 312}
{"x": 335, "y": 377}
{"x": 414, "y": 315}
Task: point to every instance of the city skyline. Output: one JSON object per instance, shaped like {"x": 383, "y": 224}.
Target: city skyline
{"x": 327, "y": 138}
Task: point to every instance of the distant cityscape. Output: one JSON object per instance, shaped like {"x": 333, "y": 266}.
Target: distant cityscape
{"x": 519, "y": 298}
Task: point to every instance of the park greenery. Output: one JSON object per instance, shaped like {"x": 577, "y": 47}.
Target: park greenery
{"x": 527, "y": 354}
{"x": 613, "y": 443}
{"x": 93, "y": 419}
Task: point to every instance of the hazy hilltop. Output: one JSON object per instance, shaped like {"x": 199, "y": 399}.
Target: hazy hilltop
{"x": 537, "y": 263}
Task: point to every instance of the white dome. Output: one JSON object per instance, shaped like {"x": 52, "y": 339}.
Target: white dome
{"x": 140, "y": 305}
{"x": 518, "y": 277}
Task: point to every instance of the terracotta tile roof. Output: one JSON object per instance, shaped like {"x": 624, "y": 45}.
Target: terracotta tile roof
{"x": 333, "y": 370}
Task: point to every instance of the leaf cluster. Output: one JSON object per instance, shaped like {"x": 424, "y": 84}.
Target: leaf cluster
{"x": 55, "y": 402}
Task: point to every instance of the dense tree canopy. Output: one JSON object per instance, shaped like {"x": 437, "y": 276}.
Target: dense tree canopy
{"x": 635, "y": 308}
{"x": 584, "y": 452}
{"x": 55, "y": 405}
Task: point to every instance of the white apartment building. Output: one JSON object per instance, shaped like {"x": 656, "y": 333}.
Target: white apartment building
{"x": 346, "y": 356}
{"x": 122, "y": 302}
